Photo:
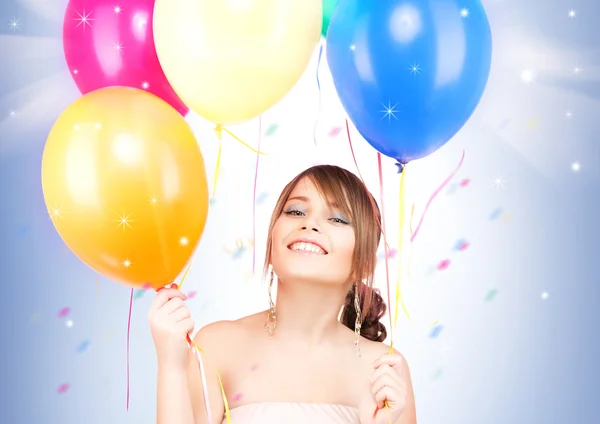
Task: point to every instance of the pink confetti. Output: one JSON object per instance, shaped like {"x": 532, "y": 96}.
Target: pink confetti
{"x": 63, "y": 388}
{"x": 443, "y": 265}
{"x": 465, "y": 182}
{"x": 464, "y": 246}
{"x": 192, "y": 294}
{"x": 254, "y": 367}
{"x": 64, "y": 312}
{"x": 146, "y": 286}
{"x": 237, "y": 397}
{"x": 334, "y": 131}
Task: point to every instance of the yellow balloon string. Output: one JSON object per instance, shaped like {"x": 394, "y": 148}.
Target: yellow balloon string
{"x": 225, "y": 403}
{"x": 219, "y": 131}
{"x": 400, "y": 240}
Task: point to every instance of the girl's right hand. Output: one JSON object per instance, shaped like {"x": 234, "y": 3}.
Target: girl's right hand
{"x": 170, "y": 324}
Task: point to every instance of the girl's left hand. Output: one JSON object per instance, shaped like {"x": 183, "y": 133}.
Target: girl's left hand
{"x": 388, "y": 390}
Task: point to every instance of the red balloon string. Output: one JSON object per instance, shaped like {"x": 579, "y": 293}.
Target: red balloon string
{"x": 434, "y": 195}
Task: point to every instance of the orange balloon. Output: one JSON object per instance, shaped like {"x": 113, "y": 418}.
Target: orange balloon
{"x": 125, "y": 185}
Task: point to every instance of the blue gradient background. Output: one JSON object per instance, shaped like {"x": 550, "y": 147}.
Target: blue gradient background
{"x": 516, "y": 359}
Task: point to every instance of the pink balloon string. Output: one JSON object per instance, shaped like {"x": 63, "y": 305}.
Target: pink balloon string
{"x": 319, "y": 88}
{"x": 434, "y": 195}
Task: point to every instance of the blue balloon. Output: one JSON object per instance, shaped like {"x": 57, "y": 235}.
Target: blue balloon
{"x": 409, "y": 73}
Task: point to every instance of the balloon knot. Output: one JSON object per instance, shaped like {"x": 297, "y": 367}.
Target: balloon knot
{"x": 400, "y": 166}
{"x": 219, "y": 131}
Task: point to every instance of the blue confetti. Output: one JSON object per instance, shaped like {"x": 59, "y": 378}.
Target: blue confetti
{"x": 460, "y": 244}
{"x": 211, "y": 202}
{"x": 138, "y": 293}
{"x": 435, "y": 331}
{"x": 261, "y": 197}
{"x": 491, "y": 295}
{"x": 496, "y": 214}
{"x": 83, "y": 346}
{"x": 238, "y": 253}
{"x": 438, "y": 373}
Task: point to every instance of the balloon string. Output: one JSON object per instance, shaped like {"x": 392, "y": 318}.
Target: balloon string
{"x": 413, "y": 234}
{"x": 387, "y": 268}
{"x": 400, "y": 240}
{"x": 320, "y": 94}
{"x": 202, "y": 373}
{"x": 128, "y": 338}
{"x": 373, "y": 206}
{"x": 217, "y": 167}
{"x": 254, "y": 198}
{"x": 434, "y": 195}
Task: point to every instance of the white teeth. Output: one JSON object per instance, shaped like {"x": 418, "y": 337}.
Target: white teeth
{"x": 307, "y": 247}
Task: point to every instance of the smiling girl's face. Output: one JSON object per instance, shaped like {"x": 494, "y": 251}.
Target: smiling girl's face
{"x": 311, "y": 240}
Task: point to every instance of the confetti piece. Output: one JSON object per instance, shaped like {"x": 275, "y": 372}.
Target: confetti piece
{"x": 146, "y": 286}
{"x": 491, "y": 295}
{"x": 83, "y": 346}
{"x": 212, "y": 201}
{"x": 237, "y": 397}
{"x": 443, "y": 265}
{"x": 192, "y": 294}
{"x": 465, "y": 182}
{"x": 254, "y": 367}
{"x": 271, "y": 129}
{"x": 334, "y": 131}
{"x": 452, "y": 188}
{"x": 238, "y": 253}
{"x": 504, "y": 124}
{"x": 496, "y": 214}
{"x": 64, "y": 312}
{"x": 461, "y": 245}
{"x": 391, "y": 254}
{"x": 262, "y": 197}
{"x": 533, "y": 123}
{"x": 435, "y": 331}
{"x": 63, "y": 388}
{"x": 437, "y": 374}
{"x": 138, "y": 294}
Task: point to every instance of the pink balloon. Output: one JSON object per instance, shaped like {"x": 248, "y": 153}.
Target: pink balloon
{"x": 110, "y": 45}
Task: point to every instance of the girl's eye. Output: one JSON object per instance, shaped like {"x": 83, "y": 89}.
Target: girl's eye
{"x": 293, "y": 212}
{"x": 339, "y": 221}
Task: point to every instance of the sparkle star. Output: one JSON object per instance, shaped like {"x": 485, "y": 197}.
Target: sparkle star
{"x": 14, "y": 24}
{"x": 545, "y": 295}
{"x": 528, "y": 76}
{"x": 118, "y": 47}
{"x": 575, "y": 166}
{"x": 154, "y": 201}
{"x": 568, "y": 114}
{"x": 145, "y": 85}
{"x": 117, "y": 9}
{"x": 464, "y": 13}
{"x": 124, "y": 221}
{"x": 75, "y": 71}
{"x": 127, "y": 263}
{"x": 572, "y": 13}
{"x": 184, "y": 241}
{"x": 84, "y": 19}
{"x": 414, "y": 69}
{"x": 352, "y": 47}
{"x": 11, "y": 113}
{"x": 577, "y": 70}
{"x": 498, "y": 182}
{"x": 389, "y": 112}
{"x": 54, "y": 213}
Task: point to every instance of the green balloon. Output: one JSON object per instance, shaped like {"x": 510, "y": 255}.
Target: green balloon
{"x": 328, "y": 8}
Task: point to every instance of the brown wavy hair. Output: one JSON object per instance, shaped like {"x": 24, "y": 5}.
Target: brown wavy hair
{"x": 340, "y": 186}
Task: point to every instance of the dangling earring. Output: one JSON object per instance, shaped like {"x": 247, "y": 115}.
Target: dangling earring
{"x": 357, "y": 323}
{"x": 271, "y": 321}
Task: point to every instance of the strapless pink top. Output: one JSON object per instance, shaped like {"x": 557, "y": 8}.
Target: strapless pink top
{"x": 293, "y": 413}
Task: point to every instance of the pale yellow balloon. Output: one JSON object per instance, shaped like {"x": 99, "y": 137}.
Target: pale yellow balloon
{"x": 231, "y": 60}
